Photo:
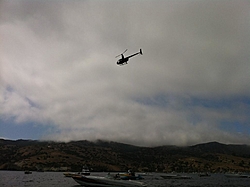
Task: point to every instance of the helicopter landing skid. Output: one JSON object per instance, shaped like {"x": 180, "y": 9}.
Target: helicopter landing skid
{"x": 123, "y": 64}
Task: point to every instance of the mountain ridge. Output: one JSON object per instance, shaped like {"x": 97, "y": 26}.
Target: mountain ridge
{"x": 114, "y": 156}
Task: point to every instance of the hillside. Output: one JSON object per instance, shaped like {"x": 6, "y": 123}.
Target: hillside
{"x": 113, "y": 156}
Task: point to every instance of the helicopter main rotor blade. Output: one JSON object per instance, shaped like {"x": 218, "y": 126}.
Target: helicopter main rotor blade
{"x": 121, "y": 53}
{"x": 124, "y": 51}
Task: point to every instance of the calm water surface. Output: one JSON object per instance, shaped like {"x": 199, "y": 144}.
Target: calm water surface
{"x": 48, "y": 179}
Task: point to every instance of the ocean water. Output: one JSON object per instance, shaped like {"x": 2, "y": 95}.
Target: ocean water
{"x": 56, "y": 179}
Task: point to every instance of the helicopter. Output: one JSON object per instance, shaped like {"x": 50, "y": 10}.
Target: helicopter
{"x": 124, "y": 60}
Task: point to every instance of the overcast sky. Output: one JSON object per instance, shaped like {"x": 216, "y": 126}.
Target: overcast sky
{"x": 59, "y": 79}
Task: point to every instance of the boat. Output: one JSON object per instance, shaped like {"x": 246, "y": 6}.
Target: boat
{"x": 130, "y": 175}
{"x": 27, "y": 172}
{"x": 177, "y": 176}
{"x": 145, "y": 174}
{"x": 85, "y": 171}
{"x": 236, "y": 175}
{"x": 107, "y": 181}
{"x": 70, "y": 174}
{"x": 204, "y": 175}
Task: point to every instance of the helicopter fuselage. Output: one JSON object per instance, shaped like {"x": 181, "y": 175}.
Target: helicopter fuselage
{"x": 122, "y": 61}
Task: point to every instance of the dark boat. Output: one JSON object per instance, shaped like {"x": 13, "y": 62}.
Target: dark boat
{"x": 204, "y": 175}
{"x": 27, "y": 172}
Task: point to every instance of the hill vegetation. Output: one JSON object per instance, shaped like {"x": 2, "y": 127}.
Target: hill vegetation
{"x": 113, "y": 156}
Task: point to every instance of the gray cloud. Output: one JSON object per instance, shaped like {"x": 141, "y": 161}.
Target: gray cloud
{"x": 58, "y": 68}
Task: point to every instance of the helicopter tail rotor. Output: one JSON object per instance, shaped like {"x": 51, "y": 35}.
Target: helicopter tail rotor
{"x": 141, "y": 51}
